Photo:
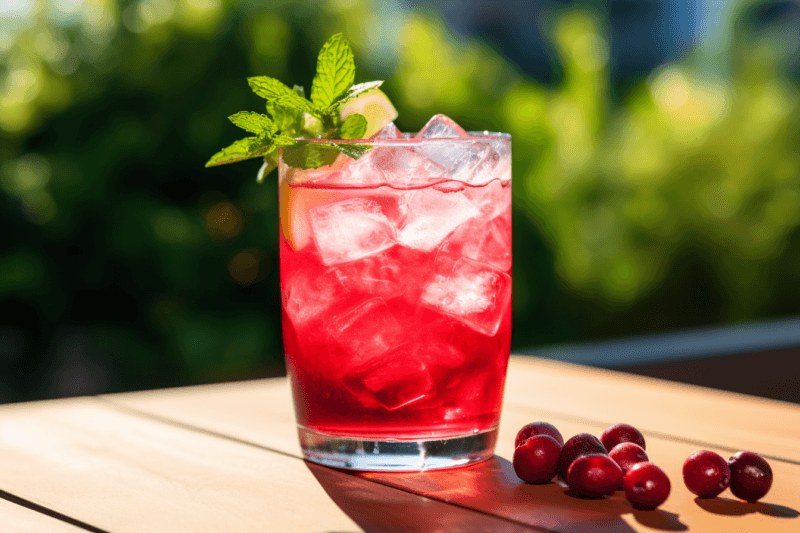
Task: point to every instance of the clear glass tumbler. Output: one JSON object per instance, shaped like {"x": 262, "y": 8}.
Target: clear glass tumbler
{"x": 396, "y": 291}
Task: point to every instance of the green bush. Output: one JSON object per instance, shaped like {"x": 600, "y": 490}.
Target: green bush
{"x": 677, "y": 207}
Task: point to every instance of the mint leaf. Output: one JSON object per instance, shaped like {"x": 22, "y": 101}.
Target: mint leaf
{"x": 285, "y": 118}
{"x": 284, "y": 140}
{"x": 253, "y": 122}
{"x": 294, "y": 101}
{"x": 353, "y": 151}
{"x": 336, "y": 71}
{"x": 268, "y": 88}
{"x": 309, "y": 155}
{"x": 353, "y": 127}
{"x": 238, "y": 151}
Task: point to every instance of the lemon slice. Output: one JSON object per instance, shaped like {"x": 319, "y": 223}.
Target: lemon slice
{"x": 376, "y": 108}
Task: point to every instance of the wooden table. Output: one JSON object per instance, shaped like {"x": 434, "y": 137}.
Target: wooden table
{"x": 226, "y": 458}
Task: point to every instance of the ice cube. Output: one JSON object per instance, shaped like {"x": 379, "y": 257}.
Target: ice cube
{"x": 431, "y": 216}
{"x": 494, "y": 163}
{"x": 389, "y": 131}
{"x": 366, "y": 332}
{"x": 361, "y": 172}
{"x": 474, "y": 293}
{"x": 441, "y": 126}
{"x": 394, "y": 383}
{"x": 486, "y": 242}
{"x": 405, "y": 374}
{"x": 350, "y": 229}
{"x": 308, "y": 292}
{"x": 473, "y": 397}
{"x": 397, "y": 272}
{"x": 460, "y": 159}
{"x": 406, "y": 168}
{"x": 492, "y": 199}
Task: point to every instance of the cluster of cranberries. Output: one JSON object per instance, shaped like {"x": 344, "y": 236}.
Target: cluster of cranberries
{"x": 595, "y": 468}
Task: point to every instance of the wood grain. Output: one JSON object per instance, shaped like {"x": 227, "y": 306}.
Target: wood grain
{"x": 123, "y": 473}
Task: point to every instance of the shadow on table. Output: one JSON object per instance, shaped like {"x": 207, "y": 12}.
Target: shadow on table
{"x": 730, "y": 507}
{"x": 376, "y": 507}
{"x": 484, "y": 497}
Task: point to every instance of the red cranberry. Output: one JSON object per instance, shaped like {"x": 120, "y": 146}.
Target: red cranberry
{"x": 627, "y": 454}
{"x": 646, "y": 486}
{"x": 751, "y": 476}
{"x": 706, "y": 474}
{"x": 594, "y": 475}
{"x": 536, "y": 459}
{"x": 538, "y": 428}
{"x": 621, "y": 433}
{"x": 578, "y": 446}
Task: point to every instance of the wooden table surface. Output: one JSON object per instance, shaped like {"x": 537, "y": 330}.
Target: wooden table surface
{"x": 226, "y": 458}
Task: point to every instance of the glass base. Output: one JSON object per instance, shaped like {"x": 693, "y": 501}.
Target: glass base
{"x": 396, "y": 455}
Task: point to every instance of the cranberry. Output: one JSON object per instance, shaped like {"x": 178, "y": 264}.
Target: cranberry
{"x": 751, "y": 476}
{"x": 621, "y": 433}
{"x": 706, "y": 474}
{"x": 536, "y": 459}
{"x": 646, "y": 486}
{"x": 578, "y": 446}
{"x": 538, "y": 428}
{"x": 594, "y": 475}
{"x": 627, "y": 454}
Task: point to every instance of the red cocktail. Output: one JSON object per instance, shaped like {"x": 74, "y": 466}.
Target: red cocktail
{"x": 396, "y": 288}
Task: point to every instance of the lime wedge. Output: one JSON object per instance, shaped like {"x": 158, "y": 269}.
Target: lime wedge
{"x": 296, "y": 202}
{"x": 376, "y": 108}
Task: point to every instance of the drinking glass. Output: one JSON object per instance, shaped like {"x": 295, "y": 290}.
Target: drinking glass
{"x": 396, "y": 300}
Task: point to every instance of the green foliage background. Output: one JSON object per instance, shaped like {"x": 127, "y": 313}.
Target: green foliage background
{"x": 125, "y": 264}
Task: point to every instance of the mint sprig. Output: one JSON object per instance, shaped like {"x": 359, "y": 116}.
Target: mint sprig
{"x": 292, "y": 116}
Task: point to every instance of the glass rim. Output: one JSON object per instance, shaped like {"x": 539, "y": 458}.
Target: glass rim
{"x": 473, "y": 136}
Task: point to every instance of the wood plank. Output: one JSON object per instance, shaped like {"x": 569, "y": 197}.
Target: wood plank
{"x": 729, "y": 421}
{"x": 123, "y": 473}
{"x": 258, "y": 411}
{"x": 18, "y": 519}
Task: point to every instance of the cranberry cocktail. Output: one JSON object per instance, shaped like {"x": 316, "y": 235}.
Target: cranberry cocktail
{"x": 396, "y": 288}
